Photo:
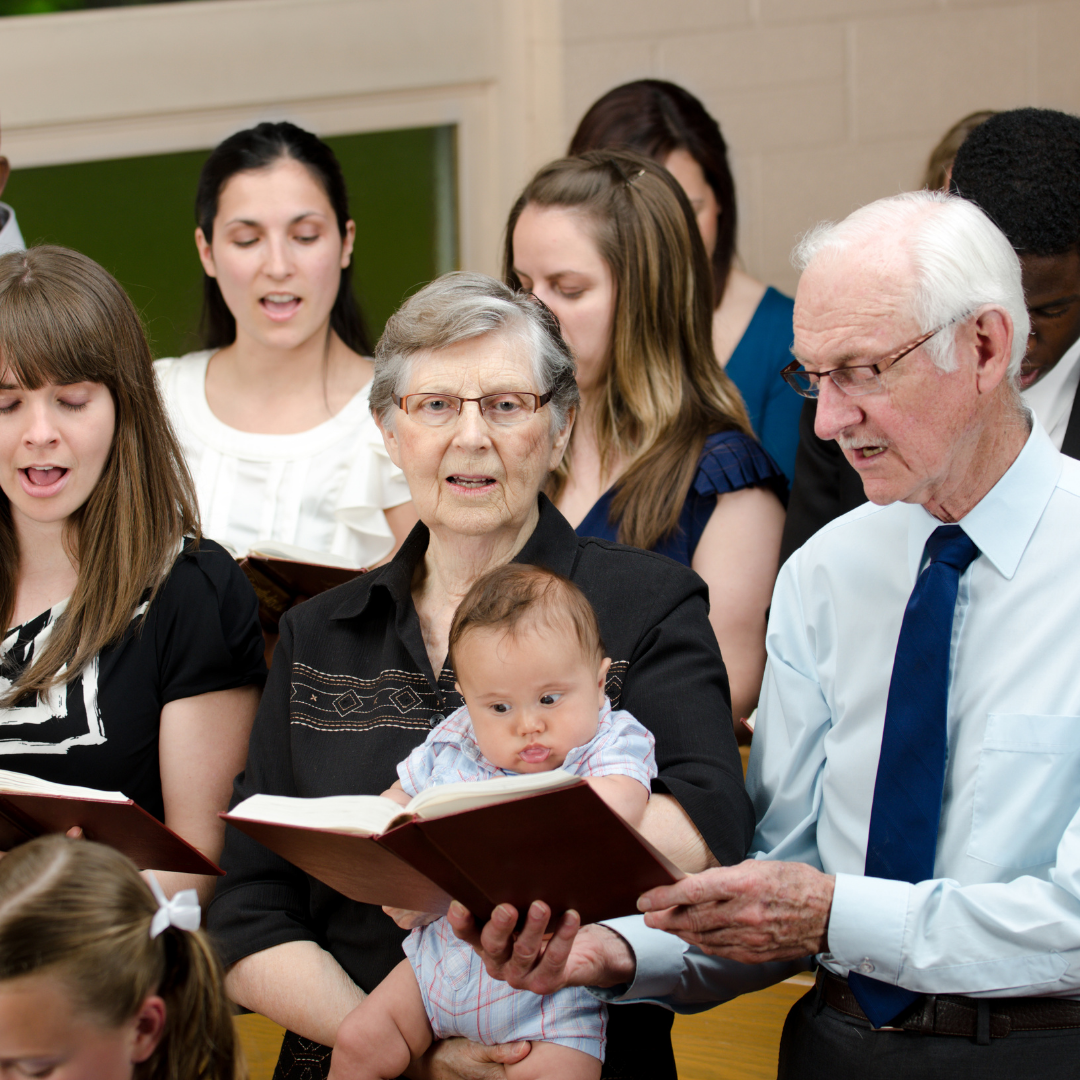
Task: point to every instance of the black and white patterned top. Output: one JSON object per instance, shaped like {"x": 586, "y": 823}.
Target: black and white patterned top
{"x": 100, "y": 730}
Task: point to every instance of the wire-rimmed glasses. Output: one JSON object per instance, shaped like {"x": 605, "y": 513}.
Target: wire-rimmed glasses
{"x": 511, "y": 407}
{"x": 856, "y": 379}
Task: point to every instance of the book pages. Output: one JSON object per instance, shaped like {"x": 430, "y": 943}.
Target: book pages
{"x": 17, "y": 783}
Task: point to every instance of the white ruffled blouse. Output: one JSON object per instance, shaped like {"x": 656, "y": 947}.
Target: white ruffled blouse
{"x": 324, "y": 489}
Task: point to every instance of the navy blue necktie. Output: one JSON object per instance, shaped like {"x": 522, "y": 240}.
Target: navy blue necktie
{"x": 911, "y": 770}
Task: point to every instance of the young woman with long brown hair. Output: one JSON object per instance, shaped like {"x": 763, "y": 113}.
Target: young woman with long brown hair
{"x": 661, "y": 456}
{"x": 751, "y": 323}
{"x": 131, "y": 656}
{"x": 97, "y": 979}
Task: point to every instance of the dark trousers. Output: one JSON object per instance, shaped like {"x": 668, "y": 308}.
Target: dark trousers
{"x": 639, "y": 1048}
{"x": 821, "y": 1044}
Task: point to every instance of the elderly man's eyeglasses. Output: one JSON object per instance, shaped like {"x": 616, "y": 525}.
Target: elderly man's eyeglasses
{"x": 499, "y": 409}
{"x": 856, "y": 379}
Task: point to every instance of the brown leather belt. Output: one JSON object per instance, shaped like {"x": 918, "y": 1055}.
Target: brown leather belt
{"x": 953, "y": 1014}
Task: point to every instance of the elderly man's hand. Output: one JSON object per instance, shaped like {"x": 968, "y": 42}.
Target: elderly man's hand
{"x": 754, "y": 912}
{"x": 572, "y": 956}
{"x": 460, "y": 1059}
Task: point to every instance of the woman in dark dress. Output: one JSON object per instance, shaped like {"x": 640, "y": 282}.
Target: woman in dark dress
{"x": 662, "y": 456}
{"x": 474, "y": 390}
{"x": 131, "y": 658}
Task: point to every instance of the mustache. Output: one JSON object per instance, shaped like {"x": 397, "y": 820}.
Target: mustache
{"x": 859, "y": 442}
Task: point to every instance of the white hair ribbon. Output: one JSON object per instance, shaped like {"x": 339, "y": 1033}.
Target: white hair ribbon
{"x": 182, "y": 911}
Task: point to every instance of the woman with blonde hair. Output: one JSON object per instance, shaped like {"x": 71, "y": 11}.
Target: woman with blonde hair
{"x": 100, "y": 980}
{"x": 661, "y": 456}
{"x": 131, "y": 654}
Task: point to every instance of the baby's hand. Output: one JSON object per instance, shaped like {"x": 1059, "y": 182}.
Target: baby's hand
{"x": 397, "y": 793}
{"x": 410, "y": 920}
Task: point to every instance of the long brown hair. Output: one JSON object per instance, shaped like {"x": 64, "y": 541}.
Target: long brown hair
{"x": 63, "y": 319}
{"x": 664, "y": 390}
{"x": 655, "y": 118}
{"x": 79, "y": 911}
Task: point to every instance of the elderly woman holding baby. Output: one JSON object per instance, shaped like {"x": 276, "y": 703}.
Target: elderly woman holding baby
{"x": 475, "y": 393}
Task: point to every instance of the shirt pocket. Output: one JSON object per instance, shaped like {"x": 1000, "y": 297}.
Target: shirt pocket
{"x": 454, "y": 969}
{"x": 1027, "y": 789}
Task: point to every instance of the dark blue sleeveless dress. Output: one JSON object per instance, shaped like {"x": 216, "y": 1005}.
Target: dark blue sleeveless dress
{"x": 729, "y": 461}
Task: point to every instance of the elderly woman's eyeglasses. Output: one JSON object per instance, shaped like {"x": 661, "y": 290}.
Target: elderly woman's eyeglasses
{"x": 856, "y": 379}
{"x": 500, "y": 409}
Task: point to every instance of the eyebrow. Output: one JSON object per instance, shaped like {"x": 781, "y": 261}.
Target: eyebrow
{"x": 1069, "y": 298}
{"x": 258, "y": 224}
{"x": 841, "y": 361}
{"x": 74, "y": 382}
{"x": 558, "y": 274}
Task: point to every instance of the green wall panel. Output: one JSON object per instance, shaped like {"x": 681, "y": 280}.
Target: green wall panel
{"x": 136, "y": 217}
{"x": 45, "y": 7}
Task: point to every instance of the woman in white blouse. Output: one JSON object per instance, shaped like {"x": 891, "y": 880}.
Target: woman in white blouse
{"x": 273, "y": 416}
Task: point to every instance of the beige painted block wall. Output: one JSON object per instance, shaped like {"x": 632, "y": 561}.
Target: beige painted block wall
{"x": 825, "y": 104}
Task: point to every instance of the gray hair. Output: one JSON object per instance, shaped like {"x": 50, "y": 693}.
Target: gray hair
{"x": 460, "y": 306}
{"x": 962, "y": 260}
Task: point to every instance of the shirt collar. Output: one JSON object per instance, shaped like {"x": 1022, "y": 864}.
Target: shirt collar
{"x": 1049, "y": 398}
{"x": 553, "y": 544}
{"x": 1002, "y": 522}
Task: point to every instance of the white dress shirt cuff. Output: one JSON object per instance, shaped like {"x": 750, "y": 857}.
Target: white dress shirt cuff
{"x": 867, "y": 923}
{"x": 659, "y": 961}
{"x": 681, "y": 977}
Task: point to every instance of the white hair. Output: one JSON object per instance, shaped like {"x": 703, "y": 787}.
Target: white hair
{"x": 962, "y": 262}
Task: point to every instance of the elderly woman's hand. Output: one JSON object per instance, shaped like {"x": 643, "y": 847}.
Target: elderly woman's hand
{"x": 573, "y": 955}
{"x": 459, "y": 1059}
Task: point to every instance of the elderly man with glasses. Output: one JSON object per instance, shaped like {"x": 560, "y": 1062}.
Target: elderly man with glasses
{"x": 916, "y": 765}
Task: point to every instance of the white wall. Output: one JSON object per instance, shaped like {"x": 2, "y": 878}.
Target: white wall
{"x": 825, "y": 104}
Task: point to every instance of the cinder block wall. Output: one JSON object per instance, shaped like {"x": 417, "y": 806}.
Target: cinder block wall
{"x": 825, "y": 104}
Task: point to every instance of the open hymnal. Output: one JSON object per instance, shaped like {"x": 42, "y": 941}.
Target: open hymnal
{"x": 30, "y": 806}
{"x": 370, "y": 815}
{"x": 543, "y": 836}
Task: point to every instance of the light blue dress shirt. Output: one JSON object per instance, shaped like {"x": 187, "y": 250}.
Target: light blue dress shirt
{"x": 1001, "y": 917}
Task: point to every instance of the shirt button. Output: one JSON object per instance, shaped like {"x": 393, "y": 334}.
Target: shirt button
{"x": 437, "y": 719}
{"x": 866, "y": 967}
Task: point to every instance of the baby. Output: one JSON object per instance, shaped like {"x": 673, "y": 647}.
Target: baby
{"x": 530, "y": 664}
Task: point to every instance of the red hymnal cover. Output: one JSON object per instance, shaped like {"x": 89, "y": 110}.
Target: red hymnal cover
{"x": 566, "y": 847}
{"x": 126, "y": 826}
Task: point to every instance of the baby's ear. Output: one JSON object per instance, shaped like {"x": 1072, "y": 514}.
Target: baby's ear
{"x": 605, "y": 666}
